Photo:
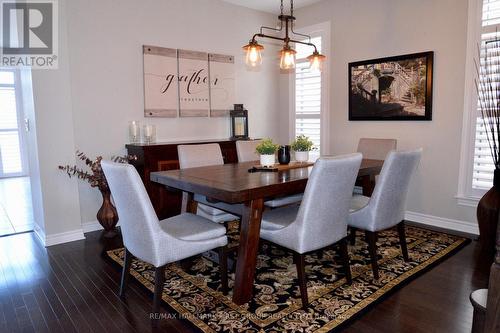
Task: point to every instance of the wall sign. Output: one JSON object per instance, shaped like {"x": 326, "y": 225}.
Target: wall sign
{"x": 187, "y": 83}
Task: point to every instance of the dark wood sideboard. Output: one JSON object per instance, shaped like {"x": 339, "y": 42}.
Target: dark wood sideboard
{"x": 162, "y": 157}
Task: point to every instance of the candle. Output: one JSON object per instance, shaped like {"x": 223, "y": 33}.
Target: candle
{"x": 134, "y": 130}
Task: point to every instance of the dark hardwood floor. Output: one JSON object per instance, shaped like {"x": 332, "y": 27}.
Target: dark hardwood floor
{"x": 73, "y": 287}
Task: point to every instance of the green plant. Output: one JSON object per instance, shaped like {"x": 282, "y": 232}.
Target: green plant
{"x": 302, "y": 143}
{"x": 267, "y": 147}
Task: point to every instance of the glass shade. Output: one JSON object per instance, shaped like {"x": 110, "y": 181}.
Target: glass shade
{"x": 316, "y": 62}
{"x": 254, "y": 54}
{"x": 287, "y": 58}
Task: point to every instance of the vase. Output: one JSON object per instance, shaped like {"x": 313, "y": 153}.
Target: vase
{"x": 284, "y": 155}
{"x": 488, "y": 210}
{"x": 267, "y": 160}
{"x": 107, "y": 215}
{"x": 302, "y": 156}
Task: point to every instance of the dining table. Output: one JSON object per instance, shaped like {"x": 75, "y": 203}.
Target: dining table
{"x": 234, "y": 184}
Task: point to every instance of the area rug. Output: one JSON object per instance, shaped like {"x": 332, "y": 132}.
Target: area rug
{"x": 276, "y": 306}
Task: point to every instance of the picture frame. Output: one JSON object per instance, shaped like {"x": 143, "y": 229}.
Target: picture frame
{"x": 391, "y": 88}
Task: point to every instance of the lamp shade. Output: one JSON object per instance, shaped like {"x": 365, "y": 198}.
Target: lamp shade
{"x": 316, "y": 61}
{"x": 287, "y": 58}
{"x": 253, "y": 54}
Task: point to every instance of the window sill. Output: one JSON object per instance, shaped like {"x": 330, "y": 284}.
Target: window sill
{"x": 468, "y": 201}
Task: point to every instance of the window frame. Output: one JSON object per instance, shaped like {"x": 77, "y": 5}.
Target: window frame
{"x": 322, "y": 30}
{"x": 20, "y": 125}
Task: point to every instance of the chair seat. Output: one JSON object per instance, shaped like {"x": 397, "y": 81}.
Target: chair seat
{"x": 284, "y": 201}
{"x": 279, "y": 218}
{"x": 214, "y": 214}
{"x": 216, "y": 208}
{"x": 191, "y": 227}
{"x": 358, "y": 202}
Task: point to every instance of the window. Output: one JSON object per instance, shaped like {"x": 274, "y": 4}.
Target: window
{"x": 482, "y": 170}
{"x": 12, "y": 159}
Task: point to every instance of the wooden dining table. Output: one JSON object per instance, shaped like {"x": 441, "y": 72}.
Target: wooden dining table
{"x": 233, "y": 184}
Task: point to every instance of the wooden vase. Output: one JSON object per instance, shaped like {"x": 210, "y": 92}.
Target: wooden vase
{"x": 107, "y": 215}
{"x": 488, "y": 210}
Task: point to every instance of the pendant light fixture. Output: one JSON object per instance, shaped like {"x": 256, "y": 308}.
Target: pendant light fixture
{"x": 287, "y": 54}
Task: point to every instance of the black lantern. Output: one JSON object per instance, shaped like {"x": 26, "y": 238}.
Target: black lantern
{"x": 239, "y": 123}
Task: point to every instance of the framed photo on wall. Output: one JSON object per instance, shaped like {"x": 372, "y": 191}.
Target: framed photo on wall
{"x": 392, "y": 88}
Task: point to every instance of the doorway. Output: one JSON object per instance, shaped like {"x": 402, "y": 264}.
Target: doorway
{"x": 16, "y": 213}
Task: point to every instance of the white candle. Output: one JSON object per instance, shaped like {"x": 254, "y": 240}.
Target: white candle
{"x": 134, "y": 131}
{"x": 148, "y": 130}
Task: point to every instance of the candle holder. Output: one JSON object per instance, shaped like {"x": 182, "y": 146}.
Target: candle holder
{"x": 134, "y": 131}
{"x": 149, "y": 133}
{"x": 239, "y": 123}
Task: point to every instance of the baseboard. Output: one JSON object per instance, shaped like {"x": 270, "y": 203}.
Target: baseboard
{"x": 93, "y": 226}
{"x": 64, "y": 237}
{"x": 442, "y": 222}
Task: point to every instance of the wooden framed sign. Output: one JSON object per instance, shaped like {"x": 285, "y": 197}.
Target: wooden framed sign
{"x": 161, "y": 96}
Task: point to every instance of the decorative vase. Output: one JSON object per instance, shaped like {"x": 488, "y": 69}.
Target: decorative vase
{"x": 488, "y": 210}
{"x": 267, "y": 160}
{"x": 107, "y": 215}
{"x": 284, "y": 155}
{"x": 302, "y": 156}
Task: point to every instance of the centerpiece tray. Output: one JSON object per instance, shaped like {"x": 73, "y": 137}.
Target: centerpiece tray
{"x": 281, "y": 167}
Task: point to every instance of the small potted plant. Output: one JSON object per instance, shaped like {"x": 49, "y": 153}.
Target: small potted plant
{"x": 266, "y": 149}
{"x": 302, "y": 146}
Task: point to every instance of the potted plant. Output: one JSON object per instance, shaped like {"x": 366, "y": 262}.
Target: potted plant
{"x": 107, "y": 214}
{"x": 266, "y": 149}
{"x": 302, "y": 146}
{"x": 488, "y": 91}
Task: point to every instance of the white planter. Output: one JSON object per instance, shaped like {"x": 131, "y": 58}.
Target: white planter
{"x": 267, "y": 160}
{"x": 302, "y": 156}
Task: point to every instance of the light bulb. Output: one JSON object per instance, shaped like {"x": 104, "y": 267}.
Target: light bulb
{"x": 253, "y": 56}
{"x": 316, "y": 62}
{"x": 287, "y": 60}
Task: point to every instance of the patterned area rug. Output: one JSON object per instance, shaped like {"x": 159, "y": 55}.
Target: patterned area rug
{"x": 276, "y": 305}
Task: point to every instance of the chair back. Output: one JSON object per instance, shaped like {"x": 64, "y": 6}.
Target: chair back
{"x": 246, "y": 150}
{"x": 376, "y": 149}
{"x": 138, "y": 220}
{"x": 322, "y": 216}
{"x": 192, "y": 156}
{"x": 387, "y": 203}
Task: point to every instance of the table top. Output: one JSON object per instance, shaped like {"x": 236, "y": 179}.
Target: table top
{"x": 232, "y": 183}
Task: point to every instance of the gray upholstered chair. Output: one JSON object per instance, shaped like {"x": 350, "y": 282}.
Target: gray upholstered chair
{"x": 386, "y": 207}
{"x": 321, "y": 219}
{"x": 246, "y": 153}
{"x": 158, "y": 242}
{"x": 192, "y": 156}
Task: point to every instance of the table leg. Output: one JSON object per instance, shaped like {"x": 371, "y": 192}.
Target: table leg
{"x": 368, "y": 184}
{"x": 247, "y": 252}
{"x": 188, "y": 203}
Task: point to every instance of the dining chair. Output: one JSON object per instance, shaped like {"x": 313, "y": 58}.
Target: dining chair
{"x": 386, "y": 207}
{"x": 321, "y": 219}
{"x": 158, "y": 242}
{"x": 246, "y": 152}
{"x": 192, "y": 156}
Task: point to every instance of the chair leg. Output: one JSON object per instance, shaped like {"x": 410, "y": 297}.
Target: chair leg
{"x": 223, "y": 268}
{"x": 125, "y": 272}
{"x": 301, "y": 274}
{"x": 159, "y": 282}
{"x": 402, "y": 240}
{"x": 352, "y": 235}
{"x": 345, "y": 259}
{"x": 371, "y": 238}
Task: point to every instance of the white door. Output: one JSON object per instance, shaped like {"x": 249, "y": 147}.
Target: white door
{"x": 13, "y": 160}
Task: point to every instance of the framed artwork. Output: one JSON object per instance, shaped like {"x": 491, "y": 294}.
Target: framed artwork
{"x": 161, "y": 97}
{"x": 392, "y": 88}
{"x": 187, "y": 83}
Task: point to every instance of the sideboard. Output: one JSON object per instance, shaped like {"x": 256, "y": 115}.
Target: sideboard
{"x": 161, "y": 157}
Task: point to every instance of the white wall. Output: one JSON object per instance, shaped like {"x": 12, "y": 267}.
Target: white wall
{"x": 105, "y": 48}
{"x": 367, "y": 29}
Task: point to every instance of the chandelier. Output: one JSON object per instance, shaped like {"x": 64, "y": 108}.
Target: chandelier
{"x": 287, "y": 54}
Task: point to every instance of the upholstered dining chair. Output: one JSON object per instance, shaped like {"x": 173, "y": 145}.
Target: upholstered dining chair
{"x": 158, "y": 242}
{"x": 246, "y": 153}
{"x": 386, "y": 207}
{"x": 321, "y": 219}
{"x": 192, "y": 156}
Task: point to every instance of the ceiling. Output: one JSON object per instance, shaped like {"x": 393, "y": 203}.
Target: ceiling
{"x": 271, "y": 6}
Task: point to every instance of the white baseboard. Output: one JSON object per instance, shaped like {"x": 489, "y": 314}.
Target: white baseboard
{"x": 93, "y": 226}
{"x": 442, "y": 222}
{"x": 64, "y": 237}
